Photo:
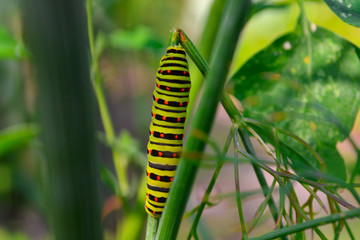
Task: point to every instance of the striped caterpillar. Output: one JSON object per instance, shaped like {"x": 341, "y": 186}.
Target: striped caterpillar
{"x": 170, "y": 100}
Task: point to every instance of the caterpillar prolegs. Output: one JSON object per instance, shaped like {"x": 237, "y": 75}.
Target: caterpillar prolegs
{"x": 170, "y": 101}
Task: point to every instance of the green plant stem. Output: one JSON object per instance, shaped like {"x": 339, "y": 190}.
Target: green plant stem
{"x": 238, "y": 196}
{"x": 174, "y": 37}
{"x": 206, "y": 196}
{"x": 313, "y": 195}
{"x": 316, "y": 155}
{"x": 193, "y": 53}
{"x": 56, "y": 35}
{"x": 348, "y": 229}
{"x": 259, "y": 174}
{"x": 233, "y": 113}
{"x": 151, "y": 227}
{"x": 282, "y": 210}
{"x": 233, "y": 22}
{"x": 91, "y": 33}
{"x": 306, "y": 145}
{"x": 133, "y": 224}
{"x": 119, "y": 162}
{"x": 292, "y": 196}
{"x": 281, "y": 193}
{"x": 289, "y": 175}
{"x": 306, "y": 29}
{"x": 300, "y": 214}
{"x": 132, "y": 227}
{"x": 356, "y": 169}
{"x": 309, "y": 224}
{"x": 261, "y": 208}
{"x": 221, "y": 196}
{"x": 206, "y": 46}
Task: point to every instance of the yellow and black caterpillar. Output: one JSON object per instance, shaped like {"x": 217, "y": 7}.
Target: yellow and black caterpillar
{"x": 171, "y": 98}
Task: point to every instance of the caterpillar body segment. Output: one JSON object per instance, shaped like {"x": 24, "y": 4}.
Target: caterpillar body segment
{"x": 166, "y": 133}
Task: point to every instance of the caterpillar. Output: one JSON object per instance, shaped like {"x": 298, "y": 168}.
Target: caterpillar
{"x": 166, "y": 133}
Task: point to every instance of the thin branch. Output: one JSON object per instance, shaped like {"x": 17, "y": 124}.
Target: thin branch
{"x": 310, "y": 224}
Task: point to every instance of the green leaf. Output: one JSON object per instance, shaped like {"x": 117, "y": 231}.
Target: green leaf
{"x": 137, "y": 39}
{"x": 347, "y": 10}
{"x": 110, "y": 180}
{"x": 9, "y": 47}
{"x": 15, "y": 137}
{"x": 308, "y": 85}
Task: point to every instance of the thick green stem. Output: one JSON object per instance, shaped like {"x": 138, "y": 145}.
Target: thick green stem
{"x": 206, "y": 46}
{"x": 56, "y": 35}
{"x": 233, "y": 113}
{"x": 233, "y": 22}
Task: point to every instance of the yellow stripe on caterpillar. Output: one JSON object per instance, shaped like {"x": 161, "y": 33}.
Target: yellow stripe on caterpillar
{"x": 170, "y": 100}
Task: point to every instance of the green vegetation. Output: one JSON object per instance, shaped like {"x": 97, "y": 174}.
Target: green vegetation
{"x": 278, "y": 160}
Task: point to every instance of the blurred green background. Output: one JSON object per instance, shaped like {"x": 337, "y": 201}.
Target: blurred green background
{"x": 131, "y": 37}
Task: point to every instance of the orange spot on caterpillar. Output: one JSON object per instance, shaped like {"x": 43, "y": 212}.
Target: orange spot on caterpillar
{"x": 156, "y": 99}
{"x": 146, "y": 207}
{"x": 153, "y": 211}
{"x": 152, "y": 133}
{"x": 174, "y": 154}
{"x": 183, "y": 89}
{"x": 187, "y": 102}
{"x": 167, "y": 88}
{"x": 156, "y": 199}
{"x": 161, "y": 71}
{"x": 171, "y": 179}
{"x": 160, "y": 154}
{"x": 181, "y": 104}
{"x": 166, "y": 102}
{"x": 184, "y": 72}
{"x": 172, "y": 57}
{"x": 154, "y": 114}
{"x": 168, "y": 71}
{"x": 161, "y": 135}
{"x": 147, "y": 194}
{"x": 178, "y": 119}
{"x": 149, "y": 174}
{"x": 150, "y": 151}
{"x": 164, "y": 118}
{"x": 158, "y": 178}
{"x": 158, "y": 85}
{"x": 176, "y": 136}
